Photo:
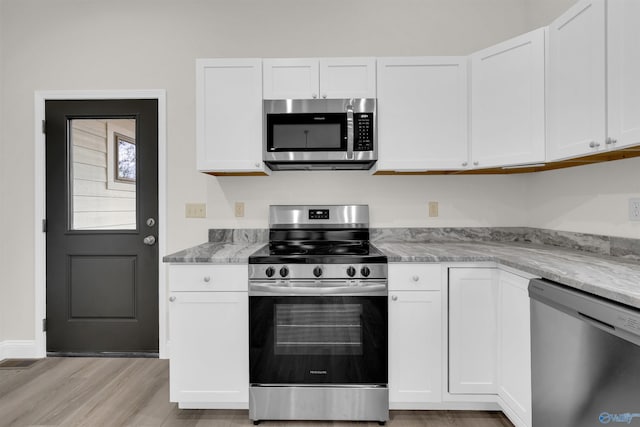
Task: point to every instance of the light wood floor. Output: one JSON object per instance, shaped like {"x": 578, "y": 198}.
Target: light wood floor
{"x": 135, "y": 392}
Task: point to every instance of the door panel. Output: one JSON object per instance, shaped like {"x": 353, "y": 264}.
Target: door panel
{"x": 102, "y": 186}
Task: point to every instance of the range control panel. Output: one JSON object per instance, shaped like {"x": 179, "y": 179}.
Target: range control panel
{"x": 318, "y": 213}
{"x": 363, "y": 132}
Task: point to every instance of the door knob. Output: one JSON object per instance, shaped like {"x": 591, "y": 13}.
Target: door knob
{"x": 149, "y": 240}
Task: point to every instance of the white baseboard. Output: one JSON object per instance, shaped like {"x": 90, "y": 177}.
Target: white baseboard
{"x": 18, "y": 349}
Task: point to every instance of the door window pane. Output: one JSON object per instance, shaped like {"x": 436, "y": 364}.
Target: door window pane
{"x": 103, "y": 174}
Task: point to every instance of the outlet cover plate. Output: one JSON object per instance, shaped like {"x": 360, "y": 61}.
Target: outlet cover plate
{"x": 634, "y": 209}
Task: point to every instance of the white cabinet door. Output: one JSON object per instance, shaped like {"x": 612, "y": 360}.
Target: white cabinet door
{"x": 473, "y": 330}
{"x": 229, "y": 115}
{"x": 514, "y": 353}
{"x": 209, "y": 363}
{"x": 623, "y": 36}
{"x": 422, "y": 113}
{"x": 310, "y": 78}
{"x": 415, "y": 360}
{"x": 576, "y": 89}
{"x": 507, "y": 102}
{"x": 291, "y": 78}
{"x": 348, "y": 78}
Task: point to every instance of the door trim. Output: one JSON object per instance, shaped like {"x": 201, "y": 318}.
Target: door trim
{"x": 40, "y": 197}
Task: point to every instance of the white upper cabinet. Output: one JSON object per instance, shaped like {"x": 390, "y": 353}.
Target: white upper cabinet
{"x": 229, "y": 115}
{"x": 422, "y": 114}
{"x": 310, "y": 78}
{"x": 623, "y": 37}
{"x": 576, "y": 82}
{"x": 507, "y": 102}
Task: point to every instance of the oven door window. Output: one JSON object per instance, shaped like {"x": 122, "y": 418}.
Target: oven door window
{"x": 307, "y": 132}
{"x": 318, "y": 340}
{"x": 318, "y": 329}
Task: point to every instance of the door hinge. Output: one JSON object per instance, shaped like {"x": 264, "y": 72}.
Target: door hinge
{"x": 44, "y": 325}
{"x": 44, "y": 225}
{"x": 44, "y": 126}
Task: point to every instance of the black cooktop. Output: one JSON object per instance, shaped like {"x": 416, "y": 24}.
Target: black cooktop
{"x": 318, "y": 247}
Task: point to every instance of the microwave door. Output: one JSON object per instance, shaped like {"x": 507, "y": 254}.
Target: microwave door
{"x": 307, "y": 132}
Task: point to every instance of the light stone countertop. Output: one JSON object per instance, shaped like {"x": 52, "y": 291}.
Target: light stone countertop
{"x": 614, "y": 278}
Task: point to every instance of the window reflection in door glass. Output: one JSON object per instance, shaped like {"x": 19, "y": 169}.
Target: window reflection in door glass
{"x": 103, "y": 174}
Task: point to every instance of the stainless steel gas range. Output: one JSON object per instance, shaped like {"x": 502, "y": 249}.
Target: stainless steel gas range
{"x": 318, "y": 318}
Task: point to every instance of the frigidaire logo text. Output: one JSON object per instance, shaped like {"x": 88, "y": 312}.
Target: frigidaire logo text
{"x": 318, "y": 372}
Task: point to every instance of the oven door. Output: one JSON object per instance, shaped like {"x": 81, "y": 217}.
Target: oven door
{"x": 318, "y": 339}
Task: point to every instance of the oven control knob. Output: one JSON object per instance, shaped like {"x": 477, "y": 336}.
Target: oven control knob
{"x": 284, "y": 271}
{"x": 351, "y": 271}
{"x": 270, "y": 271}
{"x": 365, "y": 271}
{"x": 317, "y": 272}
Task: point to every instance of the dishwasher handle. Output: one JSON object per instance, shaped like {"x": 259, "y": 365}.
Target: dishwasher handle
{"x": 607, "y": 315}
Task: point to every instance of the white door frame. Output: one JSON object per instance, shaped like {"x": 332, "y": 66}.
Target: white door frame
{"x": 40, "y": 199}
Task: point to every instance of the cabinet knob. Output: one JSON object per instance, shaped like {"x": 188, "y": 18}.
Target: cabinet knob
{"x": 172, "y": 299}
{"x": 476, "y": 163}
{"x": 394, "y": 298}
{"x": 611, "y": 141}
{"x": 324, "y": 95}
{"x": 415, "y": 278}
{"x": 465, "y": 164}
{"x": 314, "y": 95}
{"x": 257, "y": 164}
{"x": 594, "y": 144}
{"x": 207, "y": 279}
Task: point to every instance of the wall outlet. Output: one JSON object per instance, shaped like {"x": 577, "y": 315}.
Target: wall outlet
{"x": 634, "y": 209}
{"x": 195, "y": 210}
{"x": 433, "y": 209}
{"x": 239, "y": 209}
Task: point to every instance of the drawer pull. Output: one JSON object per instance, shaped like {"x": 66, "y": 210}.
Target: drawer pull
{"x": 172, "y": 299}
{"x": 394, "y": 298}
{"x": 207, "y": 279}
{"x": 415, "y": 278}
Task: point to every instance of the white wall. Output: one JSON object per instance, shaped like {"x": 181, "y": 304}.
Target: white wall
{"x": 587, "y": 199}
{"x": 539, "y": 13}
{"x": 152, "y": 44}
{"x": 3, "y": 253}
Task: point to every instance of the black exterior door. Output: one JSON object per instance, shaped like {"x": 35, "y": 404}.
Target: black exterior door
{"x": 102, "y": 208}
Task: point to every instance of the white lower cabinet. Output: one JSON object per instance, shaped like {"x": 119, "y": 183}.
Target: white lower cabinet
{"x": 489, "y": 338}
{"x": 473, "y": 330}
{"x": 209, "y": 336}
{"x": 514, "y": 350}
{"x": 415, "y": 336}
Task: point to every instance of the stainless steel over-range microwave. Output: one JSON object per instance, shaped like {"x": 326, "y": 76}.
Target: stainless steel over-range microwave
{"x": 320, "y": 134}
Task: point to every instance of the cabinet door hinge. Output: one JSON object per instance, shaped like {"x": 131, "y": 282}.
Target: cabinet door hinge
{"x": 44, "y": 325}
{"x": 44, "y": 225}
{"x": 44, "y": 126}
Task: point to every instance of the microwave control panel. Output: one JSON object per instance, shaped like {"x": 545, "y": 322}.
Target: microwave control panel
{"x": 363, "y": 132}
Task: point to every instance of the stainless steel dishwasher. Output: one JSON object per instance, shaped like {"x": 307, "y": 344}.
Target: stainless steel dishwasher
{"x": 585, "y": 358}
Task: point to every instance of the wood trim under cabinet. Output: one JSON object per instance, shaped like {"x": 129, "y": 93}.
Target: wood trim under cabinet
{"x": 607, "y": 156}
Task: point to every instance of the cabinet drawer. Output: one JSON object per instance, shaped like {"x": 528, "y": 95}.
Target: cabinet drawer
{"x": 415, "y": 277}
{"x": 208, "y": 277}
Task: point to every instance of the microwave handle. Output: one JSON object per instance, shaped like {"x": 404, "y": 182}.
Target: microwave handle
{"x": 350, "y": 131}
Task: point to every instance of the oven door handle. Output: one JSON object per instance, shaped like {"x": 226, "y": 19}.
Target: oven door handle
{"x": 264, "y": 289}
